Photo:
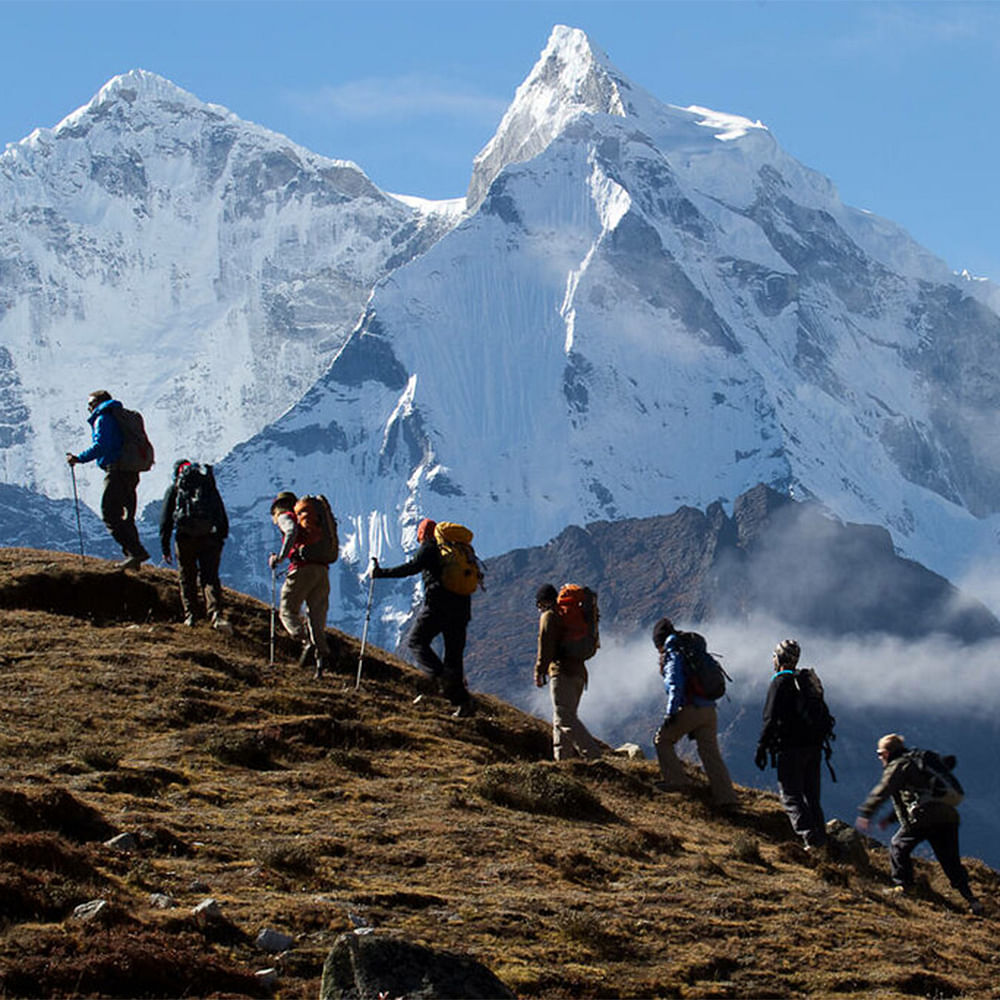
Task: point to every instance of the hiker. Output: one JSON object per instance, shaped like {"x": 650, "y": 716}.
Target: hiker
{"x": 568, "y": 675}
{"x": 193, "y": 511}
{"x": 121, "y": 479}
{"x": 924, "y": 808}
{"x": 307, "y": 579}
{"x": 688, "y": 714}
{"x": 796, "y": 727}
{"x": 444, "y": 612}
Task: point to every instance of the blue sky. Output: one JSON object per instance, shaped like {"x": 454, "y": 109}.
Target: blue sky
{"x": 896, "y": 102}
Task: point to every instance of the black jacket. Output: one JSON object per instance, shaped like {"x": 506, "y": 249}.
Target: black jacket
{"x": 427, "y": 561}
{"x": 782, "y": 727}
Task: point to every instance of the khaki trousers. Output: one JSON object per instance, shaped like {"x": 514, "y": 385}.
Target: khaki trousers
{"x": 309, "y": 583}
{"x": 701, "y": 721}
{"x": 570, "y": 737}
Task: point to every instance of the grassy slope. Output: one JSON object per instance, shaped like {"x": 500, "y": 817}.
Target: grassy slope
{"x": 308, "y": 807}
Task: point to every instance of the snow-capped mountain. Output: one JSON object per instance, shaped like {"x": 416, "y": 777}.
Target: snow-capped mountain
{"x": 201, "y": 268}
{"x": 646, "y": 306}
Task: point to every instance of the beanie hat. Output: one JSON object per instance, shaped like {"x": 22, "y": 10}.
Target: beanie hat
{"x": 546, "y": 594}
{"x": 662, "y": 630}
{"x": 787, "y": 652}
{"x": 285, "y": 500}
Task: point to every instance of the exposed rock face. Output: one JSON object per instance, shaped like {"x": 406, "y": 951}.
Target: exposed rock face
{"x": 370, "y": 965}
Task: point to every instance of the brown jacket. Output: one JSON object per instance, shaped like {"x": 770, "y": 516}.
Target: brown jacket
{"x": 549, "y": 662}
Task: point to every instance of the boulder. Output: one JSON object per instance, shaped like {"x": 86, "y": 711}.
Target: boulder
{"x": 369, "y": 965}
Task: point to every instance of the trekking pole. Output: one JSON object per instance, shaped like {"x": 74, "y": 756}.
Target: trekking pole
{"x": 274, "y": 585}
{"x": 364, "y": 632}
{"x": 76, "y": 504}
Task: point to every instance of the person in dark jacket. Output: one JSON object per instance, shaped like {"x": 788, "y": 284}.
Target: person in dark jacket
{"x": 442, "y": 613}
{"x": 201, "y": 526}
{"x": 796, "y": 749}
{"x": 118, "y": 501}
{"x": 920, "y": 818}
{"x": 687, "y": 714}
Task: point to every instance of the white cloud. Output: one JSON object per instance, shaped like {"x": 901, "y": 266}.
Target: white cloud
{"x": 413, "y": 95}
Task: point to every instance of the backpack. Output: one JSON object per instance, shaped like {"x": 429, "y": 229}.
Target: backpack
{"x": 703, "y": 673}
{"x": 813, "y": 718}
{"x": 461, "y": 572}
{"x": 197, "y": 504}
{"x": 318, "y": 541}
{"x": 579, "y": 617}
{"x": 137, "y": 451}
{"x": 939, "y": 782}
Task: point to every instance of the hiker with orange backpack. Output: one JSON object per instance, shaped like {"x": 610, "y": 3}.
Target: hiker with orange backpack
{"x": 451, "y": 574}
{"x": 309, "y": 543}
{"x": 690, "y": 712}
{"x": 567, "y": 637}
{"x": 121, "y": 450}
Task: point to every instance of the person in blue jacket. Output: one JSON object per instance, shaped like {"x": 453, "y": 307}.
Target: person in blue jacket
{"x": 687, "y": 715}
{"x": 118, "y": 501}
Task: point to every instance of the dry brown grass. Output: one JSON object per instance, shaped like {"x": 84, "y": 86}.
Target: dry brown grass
{"x": 310, "y": 807}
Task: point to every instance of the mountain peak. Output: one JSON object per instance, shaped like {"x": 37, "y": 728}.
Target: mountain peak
{"x": 137, "y": 85}
{"x": 571, "y": 77}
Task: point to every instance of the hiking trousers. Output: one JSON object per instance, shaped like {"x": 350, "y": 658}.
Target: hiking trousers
{"x": 449, "y": 672}
{"x": 701, "y": 721}
{"x": 570, "y": 737}
{"x": 309, "y": 583}
{"x": 198, "y": 568}
{"x": 118, "y": 504}
{"x": 799, "y": 775}
{"x": 943, "y": 838}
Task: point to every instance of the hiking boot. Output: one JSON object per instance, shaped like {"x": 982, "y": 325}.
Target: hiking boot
{"x": 190, "y": 621}
{"x": 133, "y": 562}
{"x": 320, "y": 667}
{"x": 465, "y": 711}
{"x": 220, "y": 623}
{"x": 307, "y": 651}
{"x": 975, "y": 907}
{"x": 896, "y": 891}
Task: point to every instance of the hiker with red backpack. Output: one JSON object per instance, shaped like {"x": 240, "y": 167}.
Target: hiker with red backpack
{"x": 567, "y": 637}
{"x": 451, "y": 574}
{"x": 924, "y": 794}
{"x": 122, "y": 451}
{"x": 194, "y": 513}
{"x": 797, "y": 728}
{"x": 690, "y": 711}
{"x": 309, "y": 542}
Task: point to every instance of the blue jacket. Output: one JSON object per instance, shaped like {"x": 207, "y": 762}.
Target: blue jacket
{"x": 106, "y": 434}
{"x": 674, "y": 680}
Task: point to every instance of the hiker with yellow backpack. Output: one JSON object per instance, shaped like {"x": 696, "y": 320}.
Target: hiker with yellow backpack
{"x": 451, "y": 575}
{"x": 309, "y": 543}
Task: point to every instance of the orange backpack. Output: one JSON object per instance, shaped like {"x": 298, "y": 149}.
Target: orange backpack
{"x": 579, "y": 616}
{"x": 318, "y": 540}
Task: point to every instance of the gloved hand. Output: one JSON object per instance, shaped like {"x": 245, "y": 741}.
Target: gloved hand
{"x": 377, "y": 571}
{"x": 760, "y": 757}
{"x": 272, "y": 560}
{"x": 541, "y": 679}
{"x": 166, "y": 556}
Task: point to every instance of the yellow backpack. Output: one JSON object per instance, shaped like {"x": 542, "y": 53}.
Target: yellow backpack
{"x": 461, "y": 572}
